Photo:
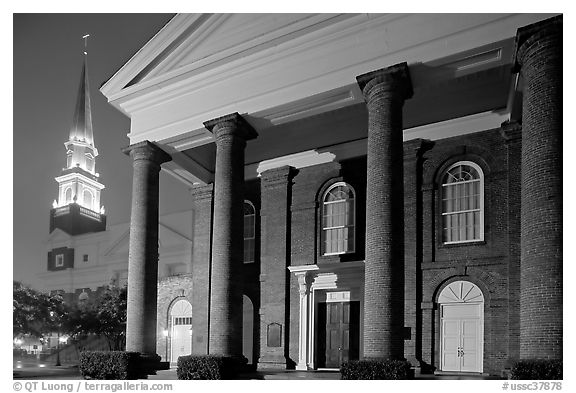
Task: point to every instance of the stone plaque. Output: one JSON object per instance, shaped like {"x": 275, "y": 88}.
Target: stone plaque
{"x": 274, "y": 337}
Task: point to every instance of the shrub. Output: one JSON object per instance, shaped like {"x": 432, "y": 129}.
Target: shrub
{"x": 376, "y": 369}
{"x": 207, "y": 367}
{"x": 537, "y": 369}
{"x": 109, "y": 365}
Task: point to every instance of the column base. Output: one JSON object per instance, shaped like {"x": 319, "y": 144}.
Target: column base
{"x": 149, "y": 363}
{"x": 302, "y": 367}
{"x": 273, "y": 362}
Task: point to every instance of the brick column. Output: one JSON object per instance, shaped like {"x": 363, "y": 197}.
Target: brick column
{"x": 275, "y": 250}
{"x": 143, "y": 249}
{"x": 538, "y": 57}
{"x": 202, "y": 225}
{"x": 231, "y": 133}
{"x": 385, "y": 91}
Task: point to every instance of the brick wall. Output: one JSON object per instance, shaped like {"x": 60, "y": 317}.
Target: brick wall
{"x": 170, "y": 290}
{"x": 484, "y": 263}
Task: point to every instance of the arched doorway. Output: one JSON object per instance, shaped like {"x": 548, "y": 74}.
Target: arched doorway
{"x": 248, "y": 330}
{"x": 181, "y": 334}
{"x": 461, "y": 305}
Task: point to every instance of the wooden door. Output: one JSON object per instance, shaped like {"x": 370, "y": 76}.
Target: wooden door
{"x": 338, "y": 333}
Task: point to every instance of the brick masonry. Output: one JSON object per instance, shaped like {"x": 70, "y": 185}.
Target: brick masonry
{"x": 539, "y": 59}
{"x": 385, "y": 92}
{"x": 170, "y": 290}
{"x": 231, "y": 133}
{"x": 143, "y": 249}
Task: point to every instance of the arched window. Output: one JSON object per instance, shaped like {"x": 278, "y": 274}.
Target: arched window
{"x": 249, "y": 232}
{"x": 68, "y": 195}
{"x": 69, "y": 159}
{"x": 338, "y": 220}
{"x": 89, "y": 162}
{"x": 463, "y": 203}
{"x": 88, "y": 199}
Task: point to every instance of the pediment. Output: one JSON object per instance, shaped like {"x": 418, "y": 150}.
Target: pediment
{"x": 200, "y": 42}
{"x": 119, "y": 244}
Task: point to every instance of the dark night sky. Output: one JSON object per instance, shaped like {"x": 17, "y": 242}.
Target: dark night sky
{"x": 47, "y": 63}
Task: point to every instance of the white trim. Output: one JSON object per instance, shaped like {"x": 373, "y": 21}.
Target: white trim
{"x": 335, "y": 55}
{"x": 296, "y": 160}
{"x": 59, "y": 260}
{"x": 457, "y": 299}
{"x": 302, "y": 268}
{"x": 480, "y": 196}
{"x": 323, "y": 229}
{"x": 459, "y": 126}
{"x": 254, "y": 231}
{"x": 81, "y": 177}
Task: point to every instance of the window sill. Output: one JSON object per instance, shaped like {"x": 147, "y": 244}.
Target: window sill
{"x": 463, "y": 244}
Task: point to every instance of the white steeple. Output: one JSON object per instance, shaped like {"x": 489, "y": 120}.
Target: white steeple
{"x": 79, "y": 180}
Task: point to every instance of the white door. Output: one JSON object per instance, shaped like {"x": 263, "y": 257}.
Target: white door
{"x": 461, "y": 328}
{"x": 181, "y": 341}
{"x": 181, "y": 332}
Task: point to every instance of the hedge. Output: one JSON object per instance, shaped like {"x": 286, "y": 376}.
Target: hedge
{"x": 208, "y": 367}
{"x": 376, "y": 369}
{"x": 109, "y": 364}
{"x": 537, "y": 369}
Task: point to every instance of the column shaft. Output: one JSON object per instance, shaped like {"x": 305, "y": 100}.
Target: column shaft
{"x": 539, "y": 57}
{"x": 143, "y": 249}
{"x": 385, "y": 91}
{"x": 231, "y": 133}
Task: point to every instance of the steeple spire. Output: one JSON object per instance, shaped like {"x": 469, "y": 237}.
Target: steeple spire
{"x": 81, "y": 129}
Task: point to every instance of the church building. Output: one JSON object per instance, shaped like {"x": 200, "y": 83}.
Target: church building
{"x": 362, "y": 186}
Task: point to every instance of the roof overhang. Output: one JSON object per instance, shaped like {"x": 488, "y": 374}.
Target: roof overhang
{"x": 282, "y": 69}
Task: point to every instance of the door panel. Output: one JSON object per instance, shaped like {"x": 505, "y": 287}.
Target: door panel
{"x": 470, "y": 340}
{"x": 450, "y": 344}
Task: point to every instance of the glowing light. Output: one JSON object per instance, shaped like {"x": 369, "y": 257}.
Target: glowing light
{"x": 165, "y": 332}
{"x": 63, "y": 339}
{"x": 18, "y": 341}
{"x": 54, "y": 204}
{"x": 102, "y": 210}
{"x": 41, "y": 365}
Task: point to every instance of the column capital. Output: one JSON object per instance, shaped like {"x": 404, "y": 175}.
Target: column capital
{"x": 511, "y": 130}
{"x": 394, "y": 79}
{"x": 276, "y": 176}
{"x": 416, "y": 147}
{"x": 147, "y": 150}
{"x": 232, "y": 124}
{"x": 202, "y": 192}
{"x": 528, "y": 36}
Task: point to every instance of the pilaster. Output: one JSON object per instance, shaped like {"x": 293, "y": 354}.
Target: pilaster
{"x": 275, "y": 253}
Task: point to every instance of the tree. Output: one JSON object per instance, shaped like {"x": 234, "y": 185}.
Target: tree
{"x": 34, "y": 312}
{"x": 105, "y": 316}
{"x": 111, "y": 317}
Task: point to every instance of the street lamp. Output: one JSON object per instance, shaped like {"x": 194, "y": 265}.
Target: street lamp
{"x": 57, "y": 342}
{"x": 165, "y": 332}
